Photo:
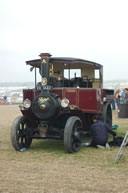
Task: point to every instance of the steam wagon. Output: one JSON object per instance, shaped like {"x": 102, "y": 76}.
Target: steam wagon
{"x": 62, "y": 104}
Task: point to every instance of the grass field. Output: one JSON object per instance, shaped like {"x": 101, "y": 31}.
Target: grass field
{"x": 46, "y": 168}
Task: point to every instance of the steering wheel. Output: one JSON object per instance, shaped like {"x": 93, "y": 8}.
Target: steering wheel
{"x": 87, "y": 78}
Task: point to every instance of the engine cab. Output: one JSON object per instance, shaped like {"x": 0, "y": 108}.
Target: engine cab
{"x": 67, "y": 72}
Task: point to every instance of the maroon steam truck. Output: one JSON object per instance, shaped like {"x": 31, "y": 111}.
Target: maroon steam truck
{"x": 61, "y": 106}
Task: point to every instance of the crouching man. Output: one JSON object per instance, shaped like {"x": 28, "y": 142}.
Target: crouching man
{"x": 99, "y": 133}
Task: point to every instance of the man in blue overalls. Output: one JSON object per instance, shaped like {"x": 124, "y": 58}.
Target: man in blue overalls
{"x": 99, "y": 132}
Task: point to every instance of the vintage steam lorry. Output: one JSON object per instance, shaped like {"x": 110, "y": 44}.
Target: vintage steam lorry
{"x": 61, "y": 106}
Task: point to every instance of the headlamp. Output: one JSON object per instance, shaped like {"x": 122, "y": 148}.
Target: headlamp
{"x": 64, "y": 102}
{"x": 26, "y": 103}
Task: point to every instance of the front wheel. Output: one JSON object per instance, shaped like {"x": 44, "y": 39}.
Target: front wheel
{"x": 20, "y": 133}
{"x": 72, "y": 134}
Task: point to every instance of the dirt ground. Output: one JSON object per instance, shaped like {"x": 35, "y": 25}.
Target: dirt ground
{"x": 46, "y": 168}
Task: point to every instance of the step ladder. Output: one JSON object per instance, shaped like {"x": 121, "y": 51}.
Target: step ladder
{"x": 122, "y": 147}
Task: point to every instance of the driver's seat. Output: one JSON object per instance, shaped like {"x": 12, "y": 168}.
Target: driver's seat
{"x": 77, "y": 82}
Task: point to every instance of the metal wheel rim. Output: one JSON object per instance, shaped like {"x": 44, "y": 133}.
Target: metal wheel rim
{"x": 76, "y": 136}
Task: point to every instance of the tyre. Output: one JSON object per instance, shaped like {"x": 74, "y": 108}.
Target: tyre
{"x": 107, "y": 114}
{"x": 72, "y": 134}
{"x": 20, "y": 133}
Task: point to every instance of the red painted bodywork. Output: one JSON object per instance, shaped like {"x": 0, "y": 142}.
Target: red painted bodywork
{"x": 87, "y": 100}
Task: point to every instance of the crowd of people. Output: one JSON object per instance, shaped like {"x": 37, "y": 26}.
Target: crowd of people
{"x": 120, "y": 97}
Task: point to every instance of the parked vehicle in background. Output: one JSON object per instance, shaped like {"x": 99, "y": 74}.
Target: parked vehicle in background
{"x": 62, "y": 104}
{"x": 15, "y": 100}
{"x": 2, "y": 101}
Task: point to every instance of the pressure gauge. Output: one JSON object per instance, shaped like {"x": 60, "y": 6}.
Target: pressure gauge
{"x": 44, "y": 81}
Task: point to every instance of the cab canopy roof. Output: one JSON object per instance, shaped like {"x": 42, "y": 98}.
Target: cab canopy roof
{"x": 64, "y": 60}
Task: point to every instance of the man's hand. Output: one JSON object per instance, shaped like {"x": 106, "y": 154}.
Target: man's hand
{"x": 115, "y": 137}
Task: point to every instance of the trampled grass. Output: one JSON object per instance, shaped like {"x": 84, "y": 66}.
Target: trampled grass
{"x": 46, "y": 167}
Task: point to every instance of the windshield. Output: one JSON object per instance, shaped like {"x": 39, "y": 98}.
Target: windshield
{"x": 74, "y": 75}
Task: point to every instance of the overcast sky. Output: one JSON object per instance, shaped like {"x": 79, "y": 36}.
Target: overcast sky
{"x": 95, "y": 30}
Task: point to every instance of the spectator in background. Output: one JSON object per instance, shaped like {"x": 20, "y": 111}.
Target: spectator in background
{"x": 113, "y": 104}
{"x": 5, "y": 99}
{"x": 117, "y": 98}
{"x": 122, "y": 96}
{"x": 126, "y": 96}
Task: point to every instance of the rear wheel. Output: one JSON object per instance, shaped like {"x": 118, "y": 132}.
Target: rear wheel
{"x": 72, "y": 134}
{"x": 20, "y": 133}
{"x": 107, "y": 114}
